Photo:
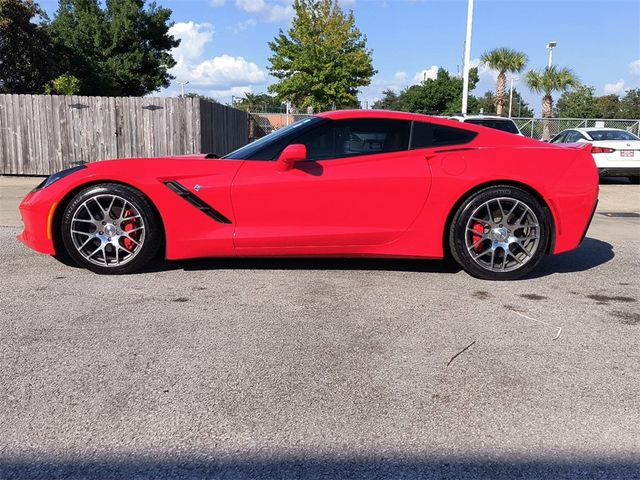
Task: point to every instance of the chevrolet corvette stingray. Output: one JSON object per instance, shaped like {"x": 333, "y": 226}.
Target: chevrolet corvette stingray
{"x": 339, "y": 184}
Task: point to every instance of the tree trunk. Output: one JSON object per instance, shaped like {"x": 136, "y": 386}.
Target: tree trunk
{"x": 500, "y": 89}
{"x": 547, "y": 103}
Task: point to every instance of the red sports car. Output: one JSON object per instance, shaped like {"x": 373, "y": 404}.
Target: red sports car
{"x": 339, "y": 184}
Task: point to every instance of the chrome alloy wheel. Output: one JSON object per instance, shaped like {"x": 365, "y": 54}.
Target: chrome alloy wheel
{"x": 502, "y": 234}
{"x": 107, "y": 230}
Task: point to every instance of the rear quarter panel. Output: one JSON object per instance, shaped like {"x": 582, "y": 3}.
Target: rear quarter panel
{"x": 565, "y": 179}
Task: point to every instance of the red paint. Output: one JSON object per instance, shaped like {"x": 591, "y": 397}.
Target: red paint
{"x": 390, "y": 204}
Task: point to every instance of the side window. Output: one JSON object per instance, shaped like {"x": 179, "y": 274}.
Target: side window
{"x": 571, "y": 137}
{"x": 354, "y": 137}
{"x": 427, "y": 135}
{"x": 559, "y": 138}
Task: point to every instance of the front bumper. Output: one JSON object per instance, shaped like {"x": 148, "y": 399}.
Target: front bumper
{"x": 37, "y": 210}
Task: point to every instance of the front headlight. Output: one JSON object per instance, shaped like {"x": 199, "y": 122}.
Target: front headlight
{"x": 57, "y": 176}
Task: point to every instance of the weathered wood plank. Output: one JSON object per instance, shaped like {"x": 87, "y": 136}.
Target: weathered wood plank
{"x": 42, "y": 134}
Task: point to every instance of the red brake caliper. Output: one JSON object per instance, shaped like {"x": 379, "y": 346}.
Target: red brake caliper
{"x": 477, "y": 227}
{"x": 127, "y": 226}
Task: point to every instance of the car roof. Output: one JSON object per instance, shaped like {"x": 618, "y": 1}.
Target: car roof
{"x": 342, "y": 114}
{"x": 482, "y": 117}
{"x": 595, "y": 129}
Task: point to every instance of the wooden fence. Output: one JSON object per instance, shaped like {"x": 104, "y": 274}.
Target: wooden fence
{"x": 42, "y": 134}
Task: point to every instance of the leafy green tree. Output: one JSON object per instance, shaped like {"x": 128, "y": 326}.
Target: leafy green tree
{"x": 122, "y": 48}
{"x": 519, "y": 108}
{"x": 578, "y": 103}
{"x": 28, "y": 59}
{"x": 439, "y": 96}
{"x": 390, "y": 101}
{"x": 551, "y": 79}
{"x": 63, "y": 85}
{"x": 608, "y": 106}
{"x": 503, "y": 60}
{"x": 322, "y": 60}
{"x": 259, "y": 102}
{"x": 629, "y": 106}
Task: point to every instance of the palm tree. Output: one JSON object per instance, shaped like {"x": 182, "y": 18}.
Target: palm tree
{"x": 503, "y": 60}
{"x": 551, "y": 79}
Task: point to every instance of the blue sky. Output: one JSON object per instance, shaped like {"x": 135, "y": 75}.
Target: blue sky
{"x": 224, "y": 47}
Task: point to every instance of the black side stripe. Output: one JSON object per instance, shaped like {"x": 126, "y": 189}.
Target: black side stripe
{"x": 197, "y": 202}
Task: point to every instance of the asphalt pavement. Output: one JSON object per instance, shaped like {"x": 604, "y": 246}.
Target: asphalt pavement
{"x": 281, "y": 369}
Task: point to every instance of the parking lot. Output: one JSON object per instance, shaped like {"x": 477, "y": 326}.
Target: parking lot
{"x": 298, "y": 368}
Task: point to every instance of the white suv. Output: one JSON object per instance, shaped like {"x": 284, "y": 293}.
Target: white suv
{"x": 491, "y": 121}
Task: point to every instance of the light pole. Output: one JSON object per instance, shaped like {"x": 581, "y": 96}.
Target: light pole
{"x": 467, "y": 58}
{"x": 233, "y": 100}
{"x": 182, "y": 84}
{"x": 550, "y": 47}
{"x": 511, "y": 96}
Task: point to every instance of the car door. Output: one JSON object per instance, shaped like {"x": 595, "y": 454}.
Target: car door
{"x": 360, "y": 186}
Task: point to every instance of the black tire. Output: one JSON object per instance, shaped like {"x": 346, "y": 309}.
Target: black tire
{"x": 470, "y": 236}
{"x": 126, "y": 251}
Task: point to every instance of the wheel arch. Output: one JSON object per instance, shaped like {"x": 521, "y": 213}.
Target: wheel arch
{"x": 56, "y": 231}
{"x": 494, "y": 183}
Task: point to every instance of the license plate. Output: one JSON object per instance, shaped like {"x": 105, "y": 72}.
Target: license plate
{"x": 626, "y": 153}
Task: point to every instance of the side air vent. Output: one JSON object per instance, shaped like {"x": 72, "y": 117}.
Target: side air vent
{"x": 197, "y": 202}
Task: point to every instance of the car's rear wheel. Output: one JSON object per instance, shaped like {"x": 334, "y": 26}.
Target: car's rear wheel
{"x": 499, "y": 233}
{"x": 110, "y": 229}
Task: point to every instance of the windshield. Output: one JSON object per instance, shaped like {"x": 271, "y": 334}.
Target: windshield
{"x": 497, "y": 124}
{"x": 611, "y": 135}
{"x": 248, "y": 151}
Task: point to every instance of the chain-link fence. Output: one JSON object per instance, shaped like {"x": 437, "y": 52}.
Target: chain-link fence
{"x": 266, "y": 123}
{"x": 534, "y": 127}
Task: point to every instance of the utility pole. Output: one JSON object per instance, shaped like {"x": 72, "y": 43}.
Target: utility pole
{"x": 550, "y": 47}
{"x": 182, "y": 84}
{"x": 467, "y": 58}
{"x": 511, "y": 97}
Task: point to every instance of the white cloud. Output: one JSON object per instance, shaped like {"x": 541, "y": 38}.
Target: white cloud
{"x": 614, "y": 88}
{"x": 272, "y": 12}
{"x": 484, "y": 72}
{"x": 280, "y": 13}
{"x": 429, "y": 73}
{"x": 634, "y": 68}
{"x": 193, "y": 36}
{"x": 373, "y": 92}
{"x": 400, "y": 77}
{"x": 251, "y": 6}
{"x": 216, "y": 3}
{"x": 242, "y": 26}
{"x": 222, "y": 72}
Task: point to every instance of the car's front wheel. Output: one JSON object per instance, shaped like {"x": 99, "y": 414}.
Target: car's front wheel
{"x": 110, "y": 228}
{"x": 499, "y": 233}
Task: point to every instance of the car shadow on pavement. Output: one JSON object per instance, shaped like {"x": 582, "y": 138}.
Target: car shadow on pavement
{"x": 591, "y": 254}
{"x": 315, "y": 263}
{"x": 314, "y": 467}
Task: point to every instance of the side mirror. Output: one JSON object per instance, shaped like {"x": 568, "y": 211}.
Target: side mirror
{"x": 290, "y": 155}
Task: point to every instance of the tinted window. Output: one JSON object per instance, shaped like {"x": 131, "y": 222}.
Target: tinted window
{"x": 496, "y": 124}
{"x": 611, "y": 135}
{"x": 270, "y": 146}
{"x": 354, "y": 137}
{"x": 559, "y": 138}
{"x": 572, "y": 137}
{"x": 426, "y": 135}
